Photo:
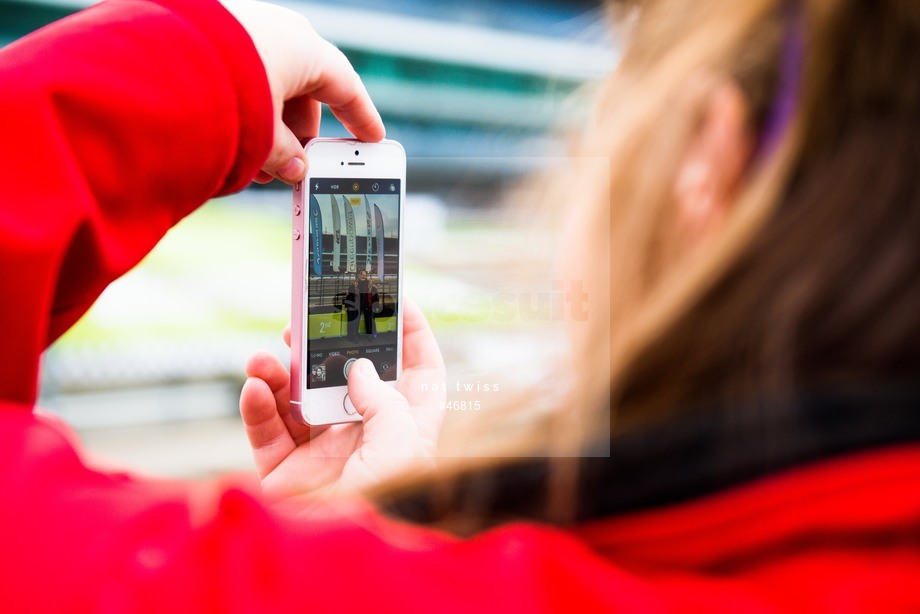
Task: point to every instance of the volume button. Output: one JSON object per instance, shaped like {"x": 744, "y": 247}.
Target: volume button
{"x": 296, "y": 235}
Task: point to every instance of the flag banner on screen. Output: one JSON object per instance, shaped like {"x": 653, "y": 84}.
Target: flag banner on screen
{"x": 368, "y": 250}
{"x": 316, "y": 233}
{"x": 337, "y": 235}
{"x": 378, "y": 217}
{"x": 350, "y": 236}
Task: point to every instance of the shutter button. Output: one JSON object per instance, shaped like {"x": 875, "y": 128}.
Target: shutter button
{"x": 348, "y": 365}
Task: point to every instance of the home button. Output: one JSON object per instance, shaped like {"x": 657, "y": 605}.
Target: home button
{"x": 349, "y": 406}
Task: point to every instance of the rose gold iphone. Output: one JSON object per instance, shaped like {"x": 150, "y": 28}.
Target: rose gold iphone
{"x": 347, "y": 273}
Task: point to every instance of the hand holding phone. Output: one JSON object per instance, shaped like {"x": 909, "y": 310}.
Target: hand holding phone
{"x": 303, "y": 70}
{"x": 400, "y": 425}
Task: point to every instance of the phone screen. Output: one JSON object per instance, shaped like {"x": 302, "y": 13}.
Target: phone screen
{"x": 352, "y": 277}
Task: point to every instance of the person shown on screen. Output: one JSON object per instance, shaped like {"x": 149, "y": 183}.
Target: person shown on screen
{"x": 352, "y": 304}
{"x": 376, "y": 301}
{"x": 366, "y": 292}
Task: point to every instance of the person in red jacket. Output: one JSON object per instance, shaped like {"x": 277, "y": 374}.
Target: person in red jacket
{"x": 762, "y": 340}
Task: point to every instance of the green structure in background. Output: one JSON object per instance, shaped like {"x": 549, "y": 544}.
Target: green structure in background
{"x": 20, "y": 18}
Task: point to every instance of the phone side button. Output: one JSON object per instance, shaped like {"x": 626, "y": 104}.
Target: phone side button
{"x": 348, "y": 406}
{"x": 296, "y": 235}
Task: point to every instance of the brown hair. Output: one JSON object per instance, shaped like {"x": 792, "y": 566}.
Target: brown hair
{"x": 826, "y": 294}
{"x": 814, "y": 278}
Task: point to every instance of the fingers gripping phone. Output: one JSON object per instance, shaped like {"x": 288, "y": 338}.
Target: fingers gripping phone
{"x": 347, "y": 273}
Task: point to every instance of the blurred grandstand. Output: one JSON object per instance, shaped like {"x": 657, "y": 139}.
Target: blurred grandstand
{"x": 477, "y": 91}
{"x": 468, "y": 79}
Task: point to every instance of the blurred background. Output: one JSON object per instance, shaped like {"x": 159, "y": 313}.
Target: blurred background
{"x": 481, "y": 94}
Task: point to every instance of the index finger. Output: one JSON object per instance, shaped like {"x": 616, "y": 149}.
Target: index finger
{"x": 335, "y": 83}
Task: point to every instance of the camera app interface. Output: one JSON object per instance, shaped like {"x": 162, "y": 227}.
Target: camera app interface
{"x": 352, "y": 278}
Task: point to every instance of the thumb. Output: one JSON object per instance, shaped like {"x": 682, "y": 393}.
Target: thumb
{"x": 388, "y": 424}
{"x": 286, "y": 161}
{"x": 369, "y": 394}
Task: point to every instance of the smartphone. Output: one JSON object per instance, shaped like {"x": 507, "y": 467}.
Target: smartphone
{"x": 347, "y": 273}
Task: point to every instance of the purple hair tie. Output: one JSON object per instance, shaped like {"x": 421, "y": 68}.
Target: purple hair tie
{"x": 784, "y": 102}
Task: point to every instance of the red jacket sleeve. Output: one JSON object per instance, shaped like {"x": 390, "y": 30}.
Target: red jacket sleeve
{"x": 116, "y": 123}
